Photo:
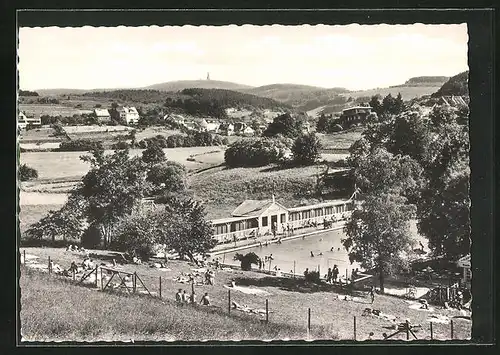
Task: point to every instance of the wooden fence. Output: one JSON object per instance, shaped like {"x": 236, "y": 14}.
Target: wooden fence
{"x": 132, "y": 283}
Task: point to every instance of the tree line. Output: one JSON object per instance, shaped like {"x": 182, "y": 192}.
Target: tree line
{"x": 105, "y": 210}
{"x": 410, "y": 166}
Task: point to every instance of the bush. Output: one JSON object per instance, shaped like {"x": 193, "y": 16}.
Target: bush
{"x": 176, "y": 140}
{"x": 306, "y": 149}
{"x": 121, "y": 145}
{"x": 247, "y": 260}
{"x": 257, "y": 152}
{"x": 79, "y": 145}
{"x": 26, "y": 173}
{"x": 167, "y": 176}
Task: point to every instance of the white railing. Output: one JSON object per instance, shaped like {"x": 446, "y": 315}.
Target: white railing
{"x": 237, "y": 235}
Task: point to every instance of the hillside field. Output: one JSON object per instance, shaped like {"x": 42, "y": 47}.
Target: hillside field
{"x": 407, "y": 92}
{"x": 48, "y": 308}
{"x": 52, "y": 110}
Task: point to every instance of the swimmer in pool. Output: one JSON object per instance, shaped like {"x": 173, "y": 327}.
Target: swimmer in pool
{"x": 320, "y": 254}
{"x": 312, "y": 255}
{"x": 331, "y": 249}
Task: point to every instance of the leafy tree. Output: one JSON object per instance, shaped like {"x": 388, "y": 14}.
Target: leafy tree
{"x": 257, "y": 151}
{"x": 27, "y": 173}
{"x": 167, "y": 176}
{"x": 153, "y": 154}
{"x": 184, "y": 227}
{"x": 285, "y": 125}
{"x": 322, "y": 124}
{"x": 112, "y": 187}
{"x": 247, "y": 260}
{"x": 378, "y": 234}
{"x": 306, "y": 149}
{"x": 66, "y": 222}
{"x": 376, "y": 105}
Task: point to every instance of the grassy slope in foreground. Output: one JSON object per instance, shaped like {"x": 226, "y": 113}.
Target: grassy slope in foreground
{"x": 55, "y": 309}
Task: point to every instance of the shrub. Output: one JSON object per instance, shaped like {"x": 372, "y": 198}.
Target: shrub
{"x": 256, "y": 152}
{"x": 247, "y": 260}
{"x": 306, "y": 149}
{"x": 176, "y": 140}
{"x": 120, "y": 145}
{"x": 79, "y": 145}
{"x": 26, "y": 173}
{"x": 167, "y": 176}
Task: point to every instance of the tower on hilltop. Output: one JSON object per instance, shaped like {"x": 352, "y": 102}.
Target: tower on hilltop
{"x": 208, "y": 76}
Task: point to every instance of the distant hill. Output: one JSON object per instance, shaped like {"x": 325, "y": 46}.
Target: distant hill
{"x": 457, "y": 85}
{"x": 426, "y": 81}
{"x": 201, "y": 84}
{"x": 57, "y": 92}
{"x": 302, "y": 97}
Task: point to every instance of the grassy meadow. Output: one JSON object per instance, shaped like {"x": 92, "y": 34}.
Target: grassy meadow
{"x": 48, "y": 308}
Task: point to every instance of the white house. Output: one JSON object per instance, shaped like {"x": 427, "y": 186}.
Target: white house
{"x": 226, "y": 128}
{"x": 28, "y": 119}
{"x": 129, "y": 114}
{"x": 248, "y": 131}
{"x": 102, "y": 115}
{"x": 212, "y": 126}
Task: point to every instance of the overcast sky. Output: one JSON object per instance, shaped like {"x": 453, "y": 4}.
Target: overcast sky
{"x": 356, "y": 57}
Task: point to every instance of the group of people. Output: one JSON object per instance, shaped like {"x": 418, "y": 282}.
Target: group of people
{"x": 332, "y": 274}
{"x": 209, "y": 277}
{"x": 72, "y": 247}
{"x": 181, "y": 297}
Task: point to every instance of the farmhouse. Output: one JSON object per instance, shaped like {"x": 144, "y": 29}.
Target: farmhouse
{"x": 256, "y": 217}
{"x": 26, "y": 119}
{"x": 243, "y": 129}
{"x": 354, "y": 114}
{"x": 129, "y": 114}
{"x": 102, "y": 115}
{"x": 212, "y": 126}
{"x": 465, "y": 264}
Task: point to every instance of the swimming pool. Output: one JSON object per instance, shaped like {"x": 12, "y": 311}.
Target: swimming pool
{"x": 299, "y": 250}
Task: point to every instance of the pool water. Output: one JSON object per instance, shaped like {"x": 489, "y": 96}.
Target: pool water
{"x": 299, "y": 251}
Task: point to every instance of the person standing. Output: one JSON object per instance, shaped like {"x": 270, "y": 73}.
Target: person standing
{"x": 178, "y": 296}
{"x": 185, "y": 297}
{"x": 335, "y": 273}
{"x": 329, "y": 275}
{"x": 372, "y": 293}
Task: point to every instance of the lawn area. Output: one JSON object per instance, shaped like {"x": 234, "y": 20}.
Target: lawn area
{"x": 39, "y": 135}
{"x": 223, "y": 189}
{"x": 154, "y": 131}
{"x": 289, "y": 300}
{"x": 340, "y": 140}
{"x": 52, "y": 110}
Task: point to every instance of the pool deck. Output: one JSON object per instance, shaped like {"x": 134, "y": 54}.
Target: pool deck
{"x": 271, "y": 240}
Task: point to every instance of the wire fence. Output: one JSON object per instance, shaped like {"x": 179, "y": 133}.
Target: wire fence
{"x": 101, "y": 277}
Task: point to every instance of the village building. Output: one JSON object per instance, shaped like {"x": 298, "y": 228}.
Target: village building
{"x": 212, "y": 126}
{"x": 129, "y": 114}
{"x": 102, "y": 115}
{"x": 257, "y": 217}
{"x": 353, "y": 115}
{"x": 26, "y": 119}
{"x": 241, "y": 128}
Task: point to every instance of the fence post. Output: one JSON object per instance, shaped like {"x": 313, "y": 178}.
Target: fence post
{"x": 160, "y": 287}
{"x": 267, "y": 310}
{"x": 432, "y": 334}
{"x": 309, "y": 320}
{"x": 294, "y": 269}
{"x": 50, "y": 269}
{"x": 229, "y": 301}
{"x": 134, "y": 281}
{"x": 319, "y": 271}
{"x": 96, "y": 276}
{"x": 74, "y": 276}
{"x": 451, "y": 328}
{"x": 407, "y": 330}
{"x": 346, "y": 278}
{"x": 102, "y": 286}
{"x": 354, "y": 327}
{"x": 24, "y": 257}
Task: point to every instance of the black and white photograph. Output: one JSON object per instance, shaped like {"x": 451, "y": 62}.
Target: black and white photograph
{"x": 250, "y": 182}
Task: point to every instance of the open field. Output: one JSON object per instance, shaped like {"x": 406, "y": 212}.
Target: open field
{"x": 340, "y": 140}
{"x": 29, "y": 214}
{"x": 52, "y": 110}
{"x": 39, "y": 135}
{"x": 153, "y": 131}
{"x": 289, "y": 300}
{"x": 68, "y": 165}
